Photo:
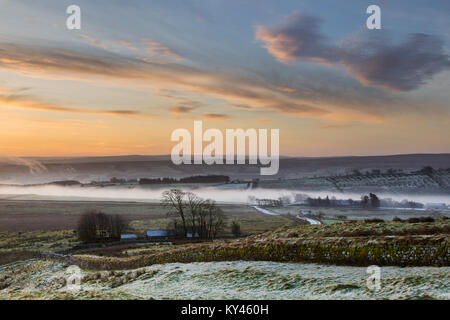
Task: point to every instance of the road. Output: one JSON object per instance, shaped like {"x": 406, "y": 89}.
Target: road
{"x": 265, "y": 211}
{"x": 311, "y": 221}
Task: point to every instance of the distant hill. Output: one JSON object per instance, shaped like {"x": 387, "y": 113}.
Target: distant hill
{"x": 86, "y": 169}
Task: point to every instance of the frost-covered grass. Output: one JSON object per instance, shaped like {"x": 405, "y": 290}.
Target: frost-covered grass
{"x": 227, "y": 280}
{"x": 352, "y": 229}
{"x": 15, "y": 246}
{"x": 37, "y": 240}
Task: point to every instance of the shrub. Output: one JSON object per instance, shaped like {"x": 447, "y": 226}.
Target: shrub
{"x": 374, "y": 220}
{"x": 420, "y": 219}
{"x": 236, "y": 229}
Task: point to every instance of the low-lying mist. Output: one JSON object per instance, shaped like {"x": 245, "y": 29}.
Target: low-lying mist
{"x": 143, "y": 194}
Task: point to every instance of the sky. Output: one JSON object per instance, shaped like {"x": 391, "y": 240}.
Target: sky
{"x": 137, "y": 70}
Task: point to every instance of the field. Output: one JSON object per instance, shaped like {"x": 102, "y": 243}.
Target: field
{"x": 257, "y": 267}
{"x": 23, "y": 216}
{"x": 342, "y": 214}
{"x": 406, "y": 183}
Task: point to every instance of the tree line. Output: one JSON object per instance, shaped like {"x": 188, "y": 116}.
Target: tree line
{"x": 367, "y": 201}
{"x": 192, "y": 179}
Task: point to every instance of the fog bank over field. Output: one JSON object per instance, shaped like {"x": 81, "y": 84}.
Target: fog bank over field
{"x": 144, "y": 194}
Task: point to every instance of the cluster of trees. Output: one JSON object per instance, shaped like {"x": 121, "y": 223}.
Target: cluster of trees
{"x": 428, "y": 170}
{"x": 367, "y": 201}
{"x": 95, "y": 226}
{"x": 193, "y": 179}
{"x": 376, "y": 172}
{"x": 157, "y": 181}
{"x": 66, "y": 183}
{"x": 370, "y": 201}
{"x": 191, "y": 213}
{"x": 325, "y": 202}
{"x": 401, "y": 204}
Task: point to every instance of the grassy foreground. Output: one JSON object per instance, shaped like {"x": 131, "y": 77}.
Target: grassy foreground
{"x": 359, "y": 244}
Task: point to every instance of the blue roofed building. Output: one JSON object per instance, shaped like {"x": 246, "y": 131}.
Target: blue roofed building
{"x": 128, "y": 236}
{"x": 159, "y": 234}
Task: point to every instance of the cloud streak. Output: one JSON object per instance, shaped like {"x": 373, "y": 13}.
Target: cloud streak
{"x": 94, "y": 42}
{"x": 159, "y": 53}
{"x": 183, "y": 108}
{"x": 216, "y": 116}
{"x": 29, "y": 102}
{"x": 373, "y": 60}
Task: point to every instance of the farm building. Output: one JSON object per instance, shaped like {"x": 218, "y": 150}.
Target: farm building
{"x": 436, "y": 206}
{"x": 128, "y": 236}
{"x": 191, "y": 232}
{"x": 343, "y": 203}
{"x": 268, "y": 202}
{"x": 159, "y": 234}
{"x": 178, "y": 233}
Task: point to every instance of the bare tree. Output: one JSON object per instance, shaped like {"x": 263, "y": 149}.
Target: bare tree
{"x": 203, "y": 216}
{"x": 195, "y": 208}
{"x": 174, "y": 201}
{"x": 214, "y": 219}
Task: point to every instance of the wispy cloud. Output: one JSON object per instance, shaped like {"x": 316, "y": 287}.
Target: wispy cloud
{"x": 94, "y": 42}
{"x": 159, "y": 53}
{"x": 242, "y": 106}
{"x": 12, "y": 99}
{"x": 128, "y": 44}
{"x": 216, "y": 116}
{"x": 336, "y": 126}
{"x": 185, "y": 107}
{"x": 373, "y": 59}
